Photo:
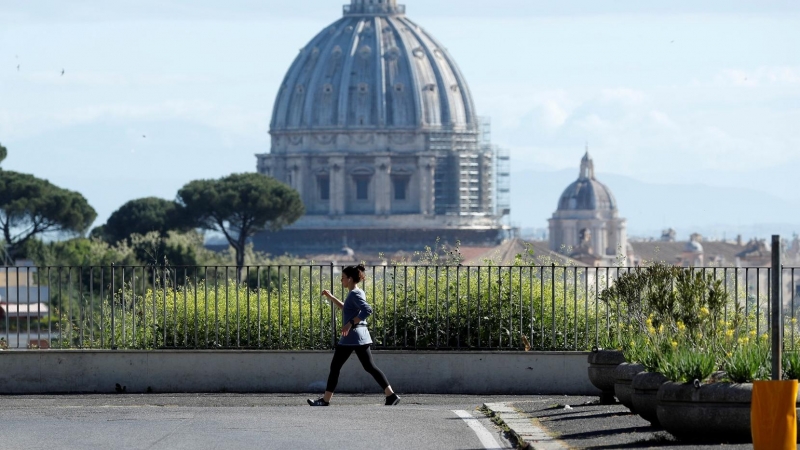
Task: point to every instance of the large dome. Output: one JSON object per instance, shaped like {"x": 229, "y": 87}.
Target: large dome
{"x": 587, "y": 193}
{"x": 373, "y": 69}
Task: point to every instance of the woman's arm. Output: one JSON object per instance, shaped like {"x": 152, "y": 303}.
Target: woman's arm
{"x": 333, "y": 299}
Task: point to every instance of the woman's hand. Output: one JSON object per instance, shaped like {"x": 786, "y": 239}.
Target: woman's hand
{"x": 346, "y": 329}
{"x": 327, "y": 294}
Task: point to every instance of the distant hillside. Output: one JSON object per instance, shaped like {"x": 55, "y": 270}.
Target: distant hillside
{"x": 712, "y": 211}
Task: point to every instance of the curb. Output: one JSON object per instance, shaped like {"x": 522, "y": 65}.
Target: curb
{"x": 528, "y": 433}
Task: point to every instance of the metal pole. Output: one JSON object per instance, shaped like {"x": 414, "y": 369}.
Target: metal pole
{"x": 777, "y": 309}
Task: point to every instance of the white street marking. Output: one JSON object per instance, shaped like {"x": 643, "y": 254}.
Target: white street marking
{"x": 486, "y": 437}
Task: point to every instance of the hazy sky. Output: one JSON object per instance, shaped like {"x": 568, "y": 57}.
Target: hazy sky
{"x": 156, "y": 93}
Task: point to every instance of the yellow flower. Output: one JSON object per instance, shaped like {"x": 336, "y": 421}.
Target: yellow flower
{"x": 674, "y": 344}
{"x": 633, "y": 344}
{"x": 729, "y": 333}
{"x": 753, "y": 333}
{"x": 794, "y": 319}
{"x": 729, "y": 354}
{"x": 764, "y": 337}
{"x": 649, "y": 322}
{"x": 681, "y": 326}
{"x": 704, "y": 311}
{"x": 661, "y": 328}
{"x": 651, "y": 330}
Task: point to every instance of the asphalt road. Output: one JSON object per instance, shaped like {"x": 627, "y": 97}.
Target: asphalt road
{"x": 246, "y": 421}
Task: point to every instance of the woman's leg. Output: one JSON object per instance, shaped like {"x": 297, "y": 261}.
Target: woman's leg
{"x": 365, "y": 356}
{"x": 340, "y": 356}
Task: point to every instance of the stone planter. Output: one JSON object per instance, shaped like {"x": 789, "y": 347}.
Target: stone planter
{"x": 623, "y": 376}
{"x": 645, "y": 395}
{"x": 718, "y": 411}
{"x": 602, "y": 364}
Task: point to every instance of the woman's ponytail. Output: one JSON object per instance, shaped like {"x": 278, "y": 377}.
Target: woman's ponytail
{"x": 357, "y": 273}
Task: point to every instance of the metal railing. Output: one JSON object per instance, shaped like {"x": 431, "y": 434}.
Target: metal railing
{"x": 281, "y": 307}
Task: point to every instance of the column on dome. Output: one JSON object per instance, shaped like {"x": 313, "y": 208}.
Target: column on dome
{"x": 338, "y": 189}
{"x": 383, "y": 185}
{"x": 426, "y": 165}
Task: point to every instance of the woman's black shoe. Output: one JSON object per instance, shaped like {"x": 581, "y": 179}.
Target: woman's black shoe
{"x": 392, "y": 400}
{"x": 317, "y": 402}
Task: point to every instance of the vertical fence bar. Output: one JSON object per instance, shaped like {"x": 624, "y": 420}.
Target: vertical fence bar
{"x": 553, "y": 304}
{"x": 416, "y": 304}
{"x": 385, "y": 313}
{"x": 19, "y": 340}
{"x": 566, "y": 307}
{"x": 769, "y": 297}
{"x": 447, "y": 306}
{"x": 49, "y": 312}
{"x": 174, "y": 295}
{"x": 530, "y": 300}
{"x": 469, "y": 317}
{"x": 122, "y": 308}
{"x": 575, "y": 303}
{"x": 519, "y": 295}
{"x": 280, "y": 307}
{"x": 289, "y": 295}
{"x": 333, "y": 312}
{"x": 480, "y": 328}
{"x": 7, "y": 318}
{"x": 541, "y": 307}
{"x": 436, "y": 305}
{"x": 405, "y": 306}
{"x": 758, "y": 301}
{"x": 196, "y": 325}
{"x": 458, "y": 307}
{"x": 489, "y": 304}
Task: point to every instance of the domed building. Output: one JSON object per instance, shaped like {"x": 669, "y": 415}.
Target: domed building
{"x": 374, "y": 125}
{"x": 586, "y": 226}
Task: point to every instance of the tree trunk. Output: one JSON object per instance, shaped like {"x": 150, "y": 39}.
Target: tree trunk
{"x": 240, "y": 253}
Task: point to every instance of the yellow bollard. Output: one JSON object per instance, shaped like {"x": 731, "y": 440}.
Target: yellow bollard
{"x": 773, "y": 415}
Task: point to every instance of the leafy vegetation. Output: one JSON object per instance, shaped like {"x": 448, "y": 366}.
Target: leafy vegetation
{"x": 30, "y": 207}
{"x": 239, "y": 206}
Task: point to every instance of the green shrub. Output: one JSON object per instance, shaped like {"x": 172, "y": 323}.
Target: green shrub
{"x": 748, "y": 362}
{"x": 686, "y": 365}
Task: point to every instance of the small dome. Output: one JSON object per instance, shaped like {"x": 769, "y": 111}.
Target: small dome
{"x": 693, "y": 247}
{"x": 587, "y": 193}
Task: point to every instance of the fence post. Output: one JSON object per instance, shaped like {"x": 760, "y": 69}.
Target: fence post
{"x": 113, "y": 316}
{"x": 777, "y": 308}
{"x": 333, "y": 312}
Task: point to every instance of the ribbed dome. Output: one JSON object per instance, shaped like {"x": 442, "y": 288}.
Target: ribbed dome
{"x": 373, "y": 69}
{"x": 587, "y": 193}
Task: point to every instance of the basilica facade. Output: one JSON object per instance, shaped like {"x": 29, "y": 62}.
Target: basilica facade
{"x": 374, "y": 125}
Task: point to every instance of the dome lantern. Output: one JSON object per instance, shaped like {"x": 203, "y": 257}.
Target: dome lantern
{"x": 374, "y": 8}
{"x": 587, "y": 166}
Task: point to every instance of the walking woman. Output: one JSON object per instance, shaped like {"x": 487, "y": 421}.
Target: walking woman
{"x": 355, "y": 337}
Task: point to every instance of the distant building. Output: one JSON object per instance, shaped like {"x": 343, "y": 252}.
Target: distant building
{"x": 18, "y": 284}
{"x": 586, "y": 226}
{"x": 375, "y": 126}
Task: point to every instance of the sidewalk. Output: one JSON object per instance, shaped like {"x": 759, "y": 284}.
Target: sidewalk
{"x": 567, "y": 422}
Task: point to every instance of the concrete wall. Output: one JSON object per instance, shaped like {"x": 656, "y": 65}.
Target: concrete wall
{"x": 65, "y": 371}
